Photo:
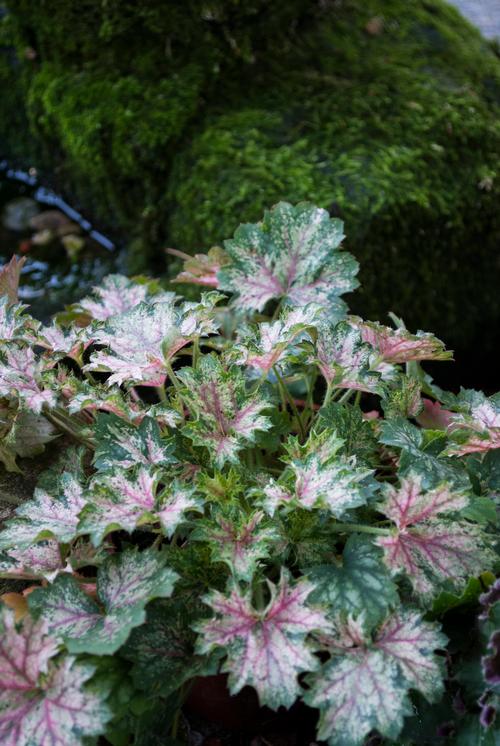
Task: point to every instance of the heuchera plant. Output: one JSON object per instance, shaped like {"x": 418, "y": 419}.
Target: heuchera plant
{"x": 251, "y": 482}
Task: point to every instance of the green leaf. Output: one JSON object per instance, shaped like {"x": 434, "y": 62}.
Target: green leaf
{"x": 360, "y": 584}
{"x": 356, "y": 433}
{"x": 481, "y": 510}
{"x": 125, "y": 584}
{"x": 419, "y": 455}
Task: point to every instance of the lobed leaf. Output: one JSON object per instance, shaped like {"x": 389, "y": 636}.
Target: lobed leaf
{"x": 43, "y": 701}
{"x": 121, "y": 445}
{"x": 344, "y": 359}
{"x": 266, "y": 648}
{"x": 125, "y": 584}
{"x": 399, "y": 345}
{"x": 292, "y": 255}
{"x": 364, "y": 687}
{"x": 226, "y": 418}
{"x": 46, "y": 515}
{"x": 21, "y": 378}
{"x": 359, "y": 585}
{"x": 427, "y": 546}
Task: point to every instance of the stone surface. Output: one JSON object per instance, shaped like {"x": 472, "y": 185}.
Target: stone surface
{"x": 485, "y": 14}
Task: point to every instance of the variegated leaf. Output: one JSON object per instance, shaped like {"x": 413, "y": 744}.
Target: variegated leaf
{"x": 239, "y": 540}
{"x": 15, "y": 325}
{"x": 61, "y": 342}
{"x": 344, "y": 359}
{"x": 266, "y": 648}
{"x": 42, "y": 559}
{"x": 317, "y": 477}
{"x": 125, "y": 584}
{"x": 426, "y": 545}
{"x": 268, "y": 344}
{"x": 120, "y": 445}
{"x": 478, "y": 429}
{"x": 140, "y": 341}
{"x": 399, "y": 345}
{"x": 364, "y": 687}
{"x": 122, "y": 501}
{"x": 201, "y": 269}
{"x": 226, "y": 418}
{"x": 162, "y": 649}
{"x": 293, "y": 254}
{"x": 21, "y": 377}
{"x": 23, "y": 434}
{"x": 116, "y": 295}
{"x": 46, "y": 515}
{"x": 42, "y": 701}
{"x": 359, "y": 585}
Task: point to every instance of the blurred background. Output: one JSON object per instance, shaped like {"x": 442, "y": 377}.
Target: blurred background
{"x": 127, "y": 126}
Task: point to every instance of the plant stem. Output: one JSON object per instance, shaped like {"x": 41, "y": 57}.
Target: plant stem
{"x": 160, "y": 390}
{"x": 291, "y": 402}
{"x": 360, "y": 528}
{"x": 67, "y": 428}
{"x": 196, "y": 352}
{"x": 346, "y": 396}
{"x": 175, "y": 381}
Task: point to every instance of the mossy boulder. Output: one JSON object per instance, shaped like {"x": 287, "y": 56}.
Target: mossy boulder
{"x": 177, "y": 120}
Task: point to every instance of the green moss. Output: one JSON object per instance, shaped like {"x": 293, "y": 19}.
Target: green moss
{"x": 181, "y": 119}
{"x": 398, "y": 133}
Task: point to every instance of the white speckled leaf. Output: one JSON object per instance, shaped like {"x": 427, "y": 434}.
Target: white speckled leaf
{"x": 365, "y": 685}
{"x": 140, "y": 341}
{"x": 42, "y": 702}
{"x": 478, "y": 429}
{"x": 399, "y": 345}
{"x": 46, "y": 515}
{"x": 293, "y": 254}
{"x": 125, "y": 584}
{"x": 227, "y": 418}
{"x": 120, "y": 445}
{"x": 266, "y": 649}
{"x": 429, "y": 545}
{"x": 344, "y": 359}
{"x": 15, "y": 325}
{"x": 42, "y": 559}
{"x": 115, "y": 295}
{"x": 268, "y": 344}
{"x": 239, "y": 540}
{"x": 21, "y": 377}
{"x": 122, "y": 501}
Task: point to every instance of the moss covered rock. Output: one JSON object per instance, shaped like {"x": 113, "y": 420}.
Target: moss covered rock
{"x": 180, "y": 119}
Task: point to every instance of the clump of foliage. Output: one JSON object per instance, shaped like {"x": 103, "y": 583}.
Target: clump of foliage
{"x": 224, "y": 502}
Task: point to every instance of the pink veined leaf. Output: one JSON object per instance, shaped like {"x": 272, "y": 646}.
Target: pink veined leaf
{"x": 271, "y": 343}
{"x": 239, "y": 540}
{"x": 399, "y": 345}
{"x": 476, "y": 432}
{"x": 121, "y": 445}
{"x": 319, "y": 478}
{"x": 201, "y": 269}
{"x": 141, "y": 340}
{"x": 41, "y": 701}
{"x": 365, "y": 685}
{"x": 120, "y": 501}
{"x": 42, "y": 559}
{"x": 62, "y": 341}
{"x": 227, "y": 418}
{"x": 21, "y": 376}
{"x": 10, "y": 275}
{"x": 266, "y": 648}
{"x": 293, "y": 254}
{"x": 46, "y": 515}
{"x": 426, "y": 545}
{"x": 116, "y": 295}
{"x": 126, "y": 582}
{"x": 434, "y": 416}
{"x": 344, "y": 359}
{"x": 15, "y": 325}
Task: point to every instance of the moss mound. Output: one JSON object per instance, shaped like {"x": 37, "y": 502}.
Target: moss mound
{"x": 175, "y": 118}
